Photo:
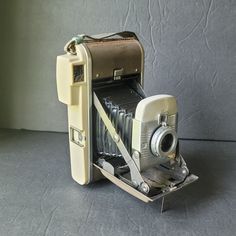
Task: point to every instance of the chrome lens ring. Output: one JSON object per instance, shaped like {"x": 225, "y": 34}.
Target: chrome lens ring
{"x": 163, "y": 141}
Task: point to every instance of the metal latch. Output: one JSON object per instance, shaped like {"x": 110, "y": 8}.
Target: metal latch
{"x": 118, "y": 73}
{"x": 76, "y": 136}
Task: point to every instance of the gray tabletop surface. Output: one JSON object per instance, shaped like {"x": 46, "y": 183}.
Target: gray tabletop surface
{"x": 39, "y": 197}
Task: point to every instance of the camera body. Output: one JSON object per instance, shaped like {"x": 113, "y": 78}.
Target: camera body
{"x": 115, "y": 130}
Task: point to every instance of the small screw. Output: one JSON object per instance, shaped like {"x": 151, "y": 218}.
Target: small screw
{"x": 97, "y": 75}
{"x": 185, "y": 171}
{"x": 80, "y": 136}
{"x": 144, "y": 145}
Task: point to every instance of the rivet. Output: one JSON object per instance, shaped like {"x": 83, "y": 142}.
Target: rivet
{"x": 116, "y": 138}
{"x": 144, "y": 187}
{"x": 135, "y": 154}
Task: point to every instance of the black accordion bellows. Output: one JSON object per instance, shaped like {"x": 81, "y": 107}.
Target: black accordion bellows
{"x": 120, "y": 103}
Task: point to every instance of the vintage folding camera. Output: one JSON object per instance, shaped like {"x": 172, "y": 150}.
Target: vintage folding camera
{"x": 115, "y": 130}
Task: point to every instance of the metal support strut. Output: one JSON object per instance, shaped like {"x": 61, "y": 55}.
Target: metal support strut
{"x": 134, "y": 172}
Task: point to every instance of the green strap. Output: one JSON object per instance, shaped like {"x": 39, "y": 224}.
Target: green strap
{"x": 78, "y": 39}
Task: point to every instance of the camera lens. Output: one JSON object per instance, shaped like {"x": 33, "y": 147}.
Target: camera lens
{"x": 167, "y": 142}
{"x": 163, "y": 141}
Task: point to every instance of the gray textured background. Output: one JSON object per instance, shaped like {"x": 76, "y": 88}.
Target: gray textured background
{"x": 190, "y": 53}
